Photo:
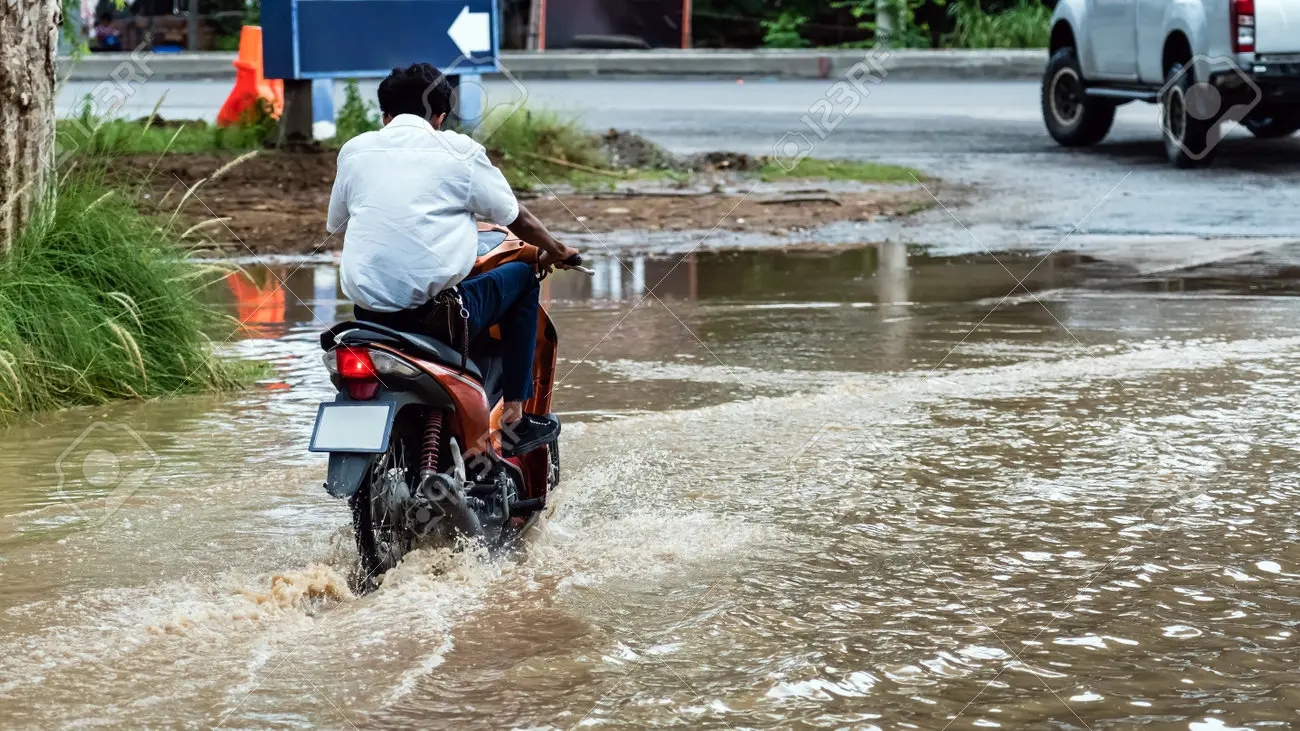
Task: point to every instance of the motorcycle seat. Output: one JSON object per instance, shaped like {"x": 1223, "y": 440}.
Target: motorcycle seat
{"x": 421, "y": 346}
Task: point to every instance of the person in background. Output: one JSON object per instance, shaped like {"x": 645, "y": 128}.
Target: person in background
{"x": 107, "y": 36}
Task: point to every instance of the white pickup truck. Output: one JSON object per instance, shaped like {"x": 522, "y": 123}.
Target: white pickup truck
{"x": 1207, "y": 63}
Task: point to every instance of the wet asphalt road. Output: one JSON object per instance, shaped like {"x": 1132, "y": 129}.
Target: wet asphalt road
{"x": 1006, "y": 184}
{"x": 1023, "y": 191}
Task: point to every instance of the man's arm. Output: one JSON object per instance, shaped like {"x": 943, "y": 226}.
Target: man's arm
{"x": 492, "y": 198}
{"x": 336, "y": 221}
{"x": 529, "y": 228}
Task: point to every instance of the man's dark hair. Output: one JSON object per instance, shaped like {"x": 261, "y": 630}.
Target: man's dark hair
{"x": 419, "y": 89}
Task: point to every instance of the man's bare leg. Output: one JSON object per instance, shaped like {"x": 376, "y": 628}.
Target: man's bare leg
{"x": 512, "y": 412}
{"x": 522, "y": 432}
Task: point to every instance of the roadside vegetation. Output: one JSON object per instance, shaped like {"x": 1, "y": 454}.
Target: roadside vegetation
{"x": 86, "y": 135}
{"x": 99, "y": 302}
{"x": 856, "y": 23}
{"x": 533, "y": 148}
{"x": 355, "y": 116}
{"x": 863, "y": 172}
{"x": 1023, "y": 25}
{"x": 539, "y": 146}
{"x": 783, "y": 31}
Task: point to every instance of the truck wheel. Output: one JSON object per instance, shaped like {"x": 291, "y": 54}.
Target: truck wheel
{"x": 1189, "y": 142}
{"x": 1073, "y": 118}
{"x": 1267, "y": 127}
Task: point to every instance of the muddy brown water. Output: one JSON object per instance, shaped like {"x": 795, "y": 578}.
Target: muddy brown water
{"x": 859, "y": 490}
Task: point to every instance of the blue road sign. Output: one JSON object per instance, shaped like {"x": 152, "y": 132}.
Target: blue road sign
{"x": 321, "y": 39}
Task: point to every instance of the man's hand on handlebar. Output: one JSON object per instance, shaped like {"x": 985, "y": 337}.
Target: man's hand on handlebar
{"x": 567, "y": 258}
{"x": 571, "y": 259}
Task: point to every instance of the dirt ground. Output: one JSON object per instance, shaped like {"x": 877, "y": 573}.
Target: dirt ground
{"x": 274, "y": 203}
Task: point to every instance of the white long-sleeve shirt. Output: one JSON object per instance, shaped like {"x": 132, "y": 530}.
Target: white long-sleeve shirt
{"x": 406, "y": 197}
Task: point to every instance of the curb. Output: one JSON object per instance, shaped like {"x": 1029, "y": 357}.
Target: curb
{"x": 937, "y": 65}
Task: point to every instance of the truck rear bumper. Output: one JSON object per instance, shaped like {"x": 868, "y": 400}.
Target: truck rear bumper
{"x": 1277, "y": 77}
{"x": 1279, "y": 73}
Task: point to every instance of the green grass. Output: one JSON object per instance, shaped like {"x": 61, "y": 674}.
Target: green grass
{"x": 539, "y": 143}
{"x": 816, "y": 169}
{"x": 89, "y": 136}
{"x": 98, "y": 302}
{"x": 123, "y": 137}
{"x": 1023, "y": 25}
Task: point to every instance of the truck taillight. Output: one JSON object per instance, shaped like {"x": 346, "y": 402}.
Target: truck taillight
{"x": 1243, "y": 25}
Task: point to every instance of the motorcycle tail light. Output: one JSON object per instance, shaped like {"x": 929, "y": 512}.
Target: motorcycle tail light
{"x": 354, "y": 363}
{"x": 390, "y": 365}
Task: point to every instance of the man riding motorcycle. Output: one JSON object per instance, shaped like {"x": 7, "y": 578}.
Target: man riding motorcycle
{"x": 406, "y": 197}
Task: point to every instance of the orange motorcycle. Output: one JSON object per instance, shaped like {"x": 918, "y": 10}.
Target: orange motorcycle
{"x": 414, "y": 438}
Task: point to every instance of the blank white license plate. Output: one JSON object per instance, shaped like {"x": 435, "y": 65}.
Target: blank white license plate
{"x": 352, "y": 427}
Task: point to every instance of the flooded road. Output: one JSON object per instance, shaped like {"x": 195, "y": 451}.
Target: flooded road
{"x": 864, "y": 489}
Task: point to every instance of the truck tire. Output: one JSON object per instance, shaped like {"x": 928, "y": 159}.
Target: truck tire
{"x": 1189, "y": 140}
{"x": 1072, "y": 117}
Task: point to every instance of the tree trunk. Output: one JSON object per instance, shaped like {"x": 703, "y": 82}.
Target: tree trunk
{"x": 28, "y": 43}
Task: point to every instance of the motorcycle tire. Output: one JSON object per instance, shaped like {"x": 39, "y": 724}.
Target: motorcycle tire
{"x": 379, "y": 547}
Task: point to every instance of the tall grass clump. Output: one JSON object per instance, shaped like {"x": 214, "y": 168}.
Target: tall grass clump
{"x": 524, "y": 143}
{"x": 98, "y": 302}
{"x": 1024, "y": 24}
{"x": 85, "y": 134}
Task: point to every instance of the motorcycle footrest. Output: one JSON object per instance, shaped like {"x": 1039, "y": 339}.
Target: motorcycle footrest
{"x": 523, "y": 508}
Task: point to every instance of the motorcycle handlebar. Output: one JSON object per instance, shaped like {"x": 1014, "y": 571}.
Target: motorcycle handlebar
{"x": 574, "y": 263}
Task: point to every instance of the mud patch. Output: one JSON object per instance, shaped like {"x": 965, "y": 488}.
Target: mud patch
{"x": 631, "y": 150}
{"x": 275, "y": 203}
{"x": 756, "y": 212}
{"x": 270, "y": 203}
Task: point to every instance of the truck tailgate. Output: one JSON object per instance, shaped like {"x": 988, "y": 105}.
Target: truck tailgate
{"x": 1277, "y": 26}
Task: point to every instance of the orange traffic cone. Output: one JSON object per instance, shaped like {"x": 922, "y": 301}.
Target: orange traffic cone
{"x": 250, "y": 84}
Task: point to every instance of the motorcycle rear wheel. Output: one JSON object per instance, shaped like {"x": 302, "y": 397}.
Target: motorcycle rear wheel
{"x": 381, "y": 541}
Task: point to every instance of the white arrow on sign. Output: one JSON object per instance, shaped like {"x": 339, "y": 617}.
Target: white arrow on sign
{"x": 471, "y": 32}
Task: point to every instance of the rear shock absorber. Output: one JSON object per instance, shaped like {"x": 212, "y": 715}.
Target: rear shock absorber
{"x": 432, "y": 441}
